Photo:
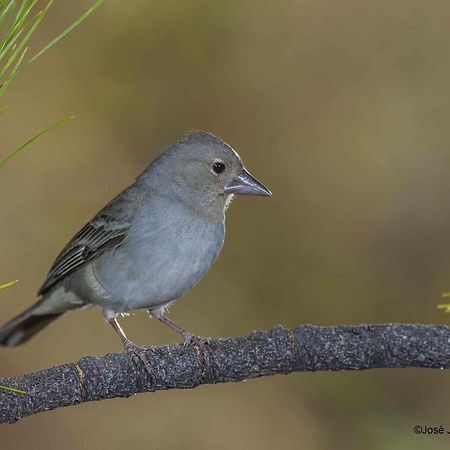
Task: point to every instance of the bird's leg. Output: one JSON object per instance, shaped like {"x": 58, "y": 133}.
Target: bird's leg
{"x": 188, "y": 337}
{"x": 130, "y": 347}
{"x": 119, "y": 330}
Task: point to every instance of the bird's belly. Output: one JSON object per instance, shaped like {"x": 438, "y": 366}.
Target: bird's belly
{"x": 143, "y": 276}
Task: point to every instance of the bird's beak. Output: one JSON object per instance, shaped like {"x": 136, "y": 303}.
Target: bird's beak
{"x": 246, "y": 184}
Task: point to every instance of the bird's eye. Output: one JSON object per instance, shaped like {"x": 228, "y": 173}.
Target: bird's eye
{"x": 218, "y": 167}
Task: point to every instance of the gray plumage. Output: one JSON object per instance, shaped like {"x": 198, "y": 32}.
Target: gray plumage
{"x": 150, "y": 244}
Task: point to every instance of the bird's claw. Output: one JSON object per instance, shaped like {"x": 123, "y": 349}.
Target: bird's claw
{"x": 141, "y": 353}
{"x": 190, "y": 339}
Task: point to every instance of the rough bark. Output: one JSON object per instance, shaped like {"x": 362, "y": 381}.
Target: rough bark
{"x": 277, "y": 351}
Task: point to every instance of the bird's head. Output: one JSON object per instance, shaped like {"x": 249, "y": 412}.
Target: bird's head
{"x": 205, "y": 172}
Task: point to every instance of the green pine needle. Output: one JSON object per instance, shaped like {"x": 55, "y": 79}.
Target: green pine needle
{"x": 3, "y": 286}
{"x": 17, "y": 391}
{"x": 445, "y": 306}
{"x": 13, "y": 72}
{"x": 18, "y": 22}
{"x": 17, "y": 25}
{"x": 50, "y": 127}
{"x": 67, "y": 30}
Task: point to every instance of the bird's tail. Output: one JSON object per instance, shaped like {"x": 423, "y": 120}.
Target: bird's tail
{"x": 24, "y": 326}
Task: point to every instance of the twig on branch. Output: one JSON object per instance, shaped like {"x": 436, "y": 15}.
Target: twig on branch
{"x": 277, "y": 351}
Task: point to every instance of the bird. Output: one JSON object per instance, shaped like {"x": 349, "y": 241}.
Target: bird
{"x": 149, "y": 245}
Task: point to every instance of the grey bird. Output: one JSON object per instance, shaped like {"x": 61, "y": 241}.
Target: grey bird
{"x": 149, "y": 245}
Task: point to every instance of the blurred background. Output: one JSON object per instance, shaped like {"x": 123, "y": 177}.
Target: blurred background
{"x": 341, "y": 109}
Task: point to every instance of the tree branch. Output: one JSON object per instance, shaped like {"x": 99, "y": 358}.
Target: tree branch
{"x": 277, "y": 351}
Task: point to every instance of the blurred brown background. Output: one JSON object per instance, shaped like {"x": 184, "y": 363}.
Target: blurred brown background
{"x": 341, "y": 108}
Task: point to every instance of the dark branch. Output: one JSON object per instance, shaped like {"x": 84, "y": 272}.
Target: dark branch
{"x": 278, "y": 351}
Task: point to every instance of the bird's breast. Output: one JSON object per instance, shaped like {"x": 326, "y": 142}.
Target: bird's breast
{"x": 162, "y": 257}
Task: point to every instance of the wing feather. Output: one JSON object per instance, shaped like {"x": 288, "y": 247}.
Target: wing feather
{"x": 104, "y": 232}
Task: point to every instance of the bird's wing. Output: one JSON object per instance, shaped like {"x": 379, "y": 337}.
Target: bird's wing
{"x": 104, "y": 232}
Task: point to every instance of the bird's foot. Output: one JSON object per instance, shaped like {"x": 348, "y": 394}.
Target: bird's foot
{"x": 201, "y": 347}
{"x": 190, "y": 339}
{"x": 140, "y": 352}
